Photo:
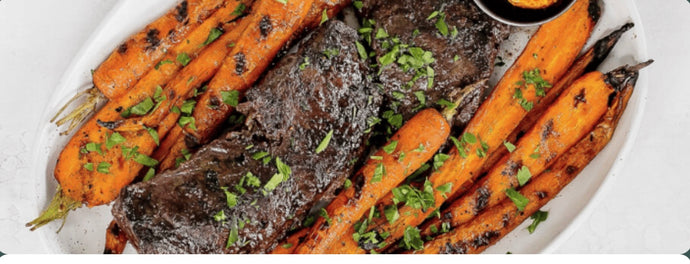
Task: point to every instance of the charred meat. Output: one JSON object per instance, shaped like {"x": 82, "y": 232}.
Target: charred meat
{"x": 428, "y": 52}
{"x": 306, "y": 125}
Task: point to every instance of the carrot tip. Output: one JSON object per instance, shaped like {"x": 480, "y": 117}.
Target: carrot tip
{"x": 58, "y": 208}
{"x": 81, "y": 112}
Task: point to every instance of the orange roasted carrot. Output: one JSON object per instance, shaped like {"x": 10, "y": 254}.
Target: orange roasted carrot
{"x": 115, "y": 240}
{"x": 210, "y": 113}
{"x": 574, "y": 114}
{"x": 184, "y": 32}
{"x": 101, "y": 158}
{"x": 547, "y": 56}
{"x": 589, "y": 60}
{"x": 497, "y": 221}
{"x": 407, "y": 150}
{"x": 291, "y": 242}
{"x": 141, "y": 52}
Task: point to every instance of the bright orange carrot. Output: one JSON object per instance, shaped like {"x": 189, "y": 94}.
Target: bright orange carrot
{"x": 115, "y": 240}
{"x": 133, "y": 58}
{"x": 497, "y": 221}
{"x": 187, "y": 28}
{"x": 291, "y": 242}
{"x": 407, "y": 150}
{"x": 573, "y": 115}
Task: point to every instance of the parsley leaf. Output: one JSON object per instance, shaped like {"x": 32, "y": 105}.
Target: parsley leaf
{"x": 523, "y": 175}
{"x": 183, "y": 59}
{"x": 517, "y": 198}
{"x": 378, "y": 173}
{"x": 391, "y": 213}
{"x": 390, "y": 147}
{"x": 149, "y": 174}
{"x": 231, "y": 98}
{"x": 538, "y": 217}
{"x": 103, "y": 167}
{"x": 412, "y": 239}
{"x": 215, "y": 33}
{"x": 509, "y": 146}
{"x": 113, "y": 140}
{"x": 230, "y": 198}
{"x": 239, "y": 10}
{"x": 324, "y": 142}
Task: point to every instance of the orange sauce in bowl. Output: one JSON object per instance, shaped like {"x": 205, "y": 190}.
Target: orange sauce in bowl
{"x": 532, "y": 4}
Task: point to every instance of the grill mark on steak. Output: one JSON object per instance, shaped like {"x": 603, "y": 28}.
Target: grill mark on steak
{"x": 476, "y": 46}
{"x": 173, "y": 212}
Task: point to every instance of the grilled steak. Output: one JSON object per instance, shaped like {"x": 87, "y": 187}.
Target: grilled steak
{"x": 462, "y": 40}
{"x": 214, "y": 199}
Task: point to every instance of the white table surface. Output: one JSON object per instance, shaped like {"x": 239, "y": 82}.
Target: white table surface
{"x": 645, "y": 210}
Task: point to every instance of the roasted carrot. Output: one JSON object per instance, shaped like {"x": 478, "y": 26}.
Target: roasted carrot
{"x": 407, "y": 150}
{"x": 101, "y": 158}
{"x": 115, "y": 240}
{"x": 291, "y": 243}
{"x": 587, "y": 62}
{"x": 186, "y": 28}
{"x": 532, "y": 4}
{"x": 208, "y": 119}
{"x": 141, "y": 52}
{"x": 497, "y": 221}
{"x": 548, "y": 54}
{"x": 573, "y": 114}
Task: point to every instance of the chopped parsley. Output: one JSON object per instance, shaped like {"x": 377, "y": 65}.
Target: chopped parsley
{"x": 390, "y": 147}
{"x": 509, "y": 146}
{"x": 304, "y": 64}
{"x": 538, "y": 217}
{"x": 446, "y": 188}
{"x": 439, "y": 159}
{"x": 347, "y": 184}
{"x": 391, "y": 213}
{"x": 215, "y": 33}
{"x": 183, "y": 59}
{"x": 103, "y": 167}
{"x": 113, "y": 140}
{"x": 230, "y": 198}
{"x": 324, "y": 17}
{"x": 187, "y": 120}
{"x": 94, "y": 147}
{"x": 415, "y": 198}
{"x": 412, "y": 239}
{"x": 332, "y": 52}
{"x": 233, "y": 236}
{"x": 361, "y": 50}
{"x": 220, "y": 216}
{"x": 523, "y": 175}
{"x": 239, "y": 10}
{"x": 139, "y": 109}
{"x": 231, "y": 98}
{"x": 324, "y": 142}
{"x": 145, "y": 160}
{"x": 323, "y": 213}
{"x": 378, "y": 173}
{"x": 358, "y": 4}
{"x": 149, "y": 174}
{"x": 517, "y": 198}
{"x": 88, "y": 166}
{"x": 154, "y": 135}
{"x": 161, "y": 63}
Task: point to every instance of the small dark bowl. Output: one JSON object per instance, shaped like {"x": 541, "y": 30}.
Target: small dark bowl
{"x": 503, "y": 11}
